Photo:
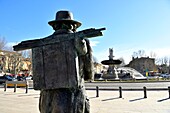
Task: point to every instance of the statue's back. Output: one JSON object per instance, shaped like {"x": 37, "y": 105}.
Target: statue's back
{"x": 55, "y": 66}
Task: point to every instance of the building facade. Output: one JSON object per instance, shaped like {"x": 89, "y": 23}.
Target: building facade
{"x": 143, "y": 64}
{"x": 12, "y": 62}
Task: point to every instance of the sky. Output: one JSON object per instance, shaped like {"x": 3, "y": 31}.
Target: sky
{"x": 131, "y": 25}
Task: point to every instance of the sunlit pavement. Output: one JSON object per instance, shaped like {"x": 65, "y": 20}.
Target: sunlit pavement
{"x": 132, "y": 102}
{"x": 107, "y": 102}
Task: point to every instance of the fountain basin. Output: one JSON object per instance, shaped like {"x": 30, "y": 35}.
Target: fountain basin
{"x": 111, "y": 62}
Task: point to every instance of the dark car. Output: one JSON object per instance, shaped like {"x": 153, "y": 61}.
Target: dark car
{"x": 98, "y": 75}
{"x": 126, "y": 76}
{"x": 5, "y": 78}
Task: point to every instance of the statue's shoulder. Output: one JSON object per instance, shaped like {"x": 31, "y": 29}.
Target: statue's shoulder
{"x": 54, "y": 38}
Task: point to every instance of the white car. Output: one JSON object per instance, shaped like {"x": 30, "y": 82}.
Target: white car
{"x": 29, "y": 78}
{"x": 165, "y": 75}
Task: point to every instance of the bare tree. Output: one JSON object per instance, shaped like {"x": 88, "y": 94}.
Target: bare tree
{"x": 135, "y": 54}
{"x": 2, "y": 43}
{"x": 26, "y": 53}
{"x": 162, "y": 61}
{"x": 165, "y": 60}
{"x": 24, "y": 57}
{"x": 2, "y": 57}
{"x": 152, "y": 54}
{"x": 2, "y": 62}
{"x": 169, "y": 65}
{"x": 139, "y": 53}
{"x": 163, "y": 64}
{"x": 28, "y": 59}
{"x": 13, "y": 61}
{"x": 158, "y": 61}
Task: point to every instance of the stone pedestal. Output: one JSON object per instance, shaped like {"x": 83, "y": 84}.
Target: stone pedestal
{"x": 111, "y": 72}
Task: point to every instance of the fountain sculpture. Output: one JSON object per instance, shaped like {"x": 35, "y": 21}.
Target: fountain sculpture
{"x": 111, "y": 72}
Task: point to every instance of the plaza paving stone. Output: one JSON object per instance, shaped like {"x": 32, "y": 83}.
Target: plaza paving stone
{"x": 107, "y": 102}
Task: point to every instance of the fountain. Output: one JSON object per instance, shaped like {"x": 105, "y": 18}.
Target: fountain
{"x": 111, "y": 72}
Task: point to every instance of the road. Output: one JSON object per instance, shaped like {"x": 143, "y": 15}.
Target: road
{"x": 134, "y": 85}
{"x": 125, "y": 85}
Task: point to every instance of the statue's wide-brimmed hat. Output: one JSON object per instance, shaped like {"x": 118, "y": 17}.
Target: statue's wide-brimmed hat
{"x": 64, "y": 16}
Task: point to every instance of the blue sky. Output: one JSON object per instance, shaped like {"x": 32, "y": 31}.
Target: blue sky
{"x": 131, "y": 25}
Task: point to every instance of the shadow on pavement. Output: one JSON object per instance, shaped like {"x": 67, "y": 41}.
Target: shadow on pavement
{"x": 163, "y": 99}
{"x": 92, "y": 97}
{"x": 111, "y": 99}
{"x": 136, "y": 99}
{"x": 28, "y": 95}
{"x": 12, "y": 93}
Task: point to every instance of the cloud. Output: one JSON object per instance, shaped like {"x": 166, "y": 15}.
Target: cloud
{"x": 94, "y": 43}
{"x": 10, "y": 44}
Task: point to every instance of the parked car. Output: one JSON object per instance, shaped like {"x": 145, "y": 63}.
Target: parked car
{"x": 98, "y": 76}
{"x": 165, "y": 75}
{"x": 28, "y": 78}
{"x": 20, "y": 78}
{"x": 5, "y": 78}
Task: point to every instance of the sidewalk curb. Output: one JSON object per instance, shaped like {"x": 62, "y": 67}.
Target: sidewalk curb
{"x": 127, "y": 89}
{"x": 125, "y": 81}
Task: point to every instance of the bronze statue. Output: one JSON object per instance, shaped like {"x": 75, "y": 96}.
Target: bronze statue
{"x": 61, "y": 62}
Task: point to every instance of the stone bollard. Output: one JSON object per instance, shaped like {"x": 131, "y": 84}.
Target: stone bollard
{"x": 26, "y": 88}
{"x": 15, "y": 87}
{"x": 145, "y": 93}
{"x": 169, "y": 91}
{"x": 97, "y": 91}
{"x": 5, "y": 86}
{"x": 120, "y": 92}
